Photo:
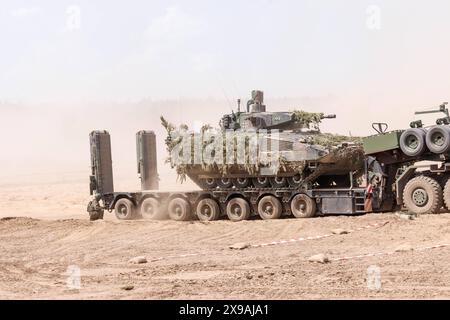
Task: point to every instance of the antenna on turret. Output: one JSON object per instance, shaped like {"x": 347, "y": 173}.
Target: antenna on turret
{"x": 239, "y": 105}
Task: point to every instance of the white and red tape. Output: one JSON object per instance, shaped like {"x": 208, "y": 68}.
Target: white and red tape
{"x": 279, "y": 242}
{"x": 273, "y": 243}
{"x": 388, "y": 252}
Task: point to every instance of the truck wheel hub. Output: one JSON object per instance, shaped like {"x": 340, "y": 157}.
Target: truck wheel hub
{"x": 268, "y": 208}
{"x": 148, "y": 209}
{"x": 437, "y": 139}
{"x": 420, "y": 197}
{"x": 123, "y": 210}
{"x": 412, "y": 142}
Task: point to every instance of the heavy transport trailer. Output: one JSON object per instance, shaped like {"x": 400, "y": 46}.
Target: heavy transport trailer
{"x": 393, "y": 180}
{"x": 206, "y": 205}
{"x": 237, "y": 205}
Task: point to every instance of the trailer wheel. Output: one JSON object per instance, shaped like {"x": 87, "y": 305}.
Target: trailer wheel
{"x": 150, "y": 209}
{"x": 238, "y": 209}
{"x": 208, "y": 210}
{"x": 241, "y": 183}
{"x": 269, "y": 207}
{"x": 447, "y": 194}
{"x": 303, "y": 206}
{"x": 278, "y": 182}
{"x": 179, "y": 209}
{"x": 422, "y": 194}
{"x": 125, "y": 209}
{"x": 438, "y": 139}
{"x": 412, "y": 142}
{"x": 261, "y": 182}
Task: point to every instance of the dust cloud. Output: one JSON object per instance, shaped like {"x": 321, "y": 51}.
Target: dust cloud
{"x": 49, "y": 143}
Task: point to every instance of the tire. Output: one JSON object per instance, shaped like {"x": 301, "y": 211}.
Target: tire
{"x": 412, "y": 142}
{"x": 422, "y": 195}
{"x": 125, "y": 209}
{"x": 438, "y": 139}
{"x": 241, "y": 183}
{"x": 208, "y": 210}
{"x": 278, "y": 182}
{"x": 269, "y": 207}
{"x": 303, "y": 206}
{"x": 295, "y": 181}
{"x": 224, "y": 183}
{"x": 179, "y": 209}
{"x": 446, "y": 194}
{"x": 238, "y": 209}
{"x": 261, "y": 182}
{"x": 150, "y": 209}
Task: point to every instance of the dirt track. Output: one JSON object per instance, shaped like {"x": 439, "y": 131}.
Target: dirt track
{"x": 37, "y": 253}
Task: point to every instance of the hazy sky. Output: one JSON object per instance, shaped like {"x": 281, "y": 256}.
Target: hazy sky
{"x": 69, "y": 67}
{"x": 127, "y": 50}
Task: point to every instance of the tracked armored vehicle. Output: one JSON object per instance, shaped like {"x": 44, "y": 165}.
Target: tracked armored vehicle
{"x": 261, "y": 149}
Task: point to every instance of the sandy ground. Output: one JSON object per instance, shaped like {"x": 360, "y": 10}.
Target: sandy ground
{"x": 51, "y": 234}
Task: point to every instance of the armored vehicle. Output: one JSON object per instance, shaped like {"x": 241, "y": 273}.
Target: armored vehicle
{"x": 261, "y": 149}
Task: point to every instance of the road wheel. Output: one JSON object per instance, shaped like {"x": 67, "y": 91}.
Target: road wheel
{"x": 303, "y": 206}
{"x": 412, "y": 142}
{"x": 446, "y": 195}
{"x": 261, "y": 182}
{"x": 422, "y": 194}
{"x": 208, "y": 210}
{"x": 269, "y": 207}
{"x": 179, "y": 209}
{"x": 295, "y": 181}
{"x": 438, "y": 139}
{"x": 150, "y": 209}
{"x": 238, "y": 209}
{"x": 125, "y": 209}
{"x": 224, "y": 183}
{"x": 278, "y": 182}
{"x": 241, "y": 183}
{"x": 209, "y": 183}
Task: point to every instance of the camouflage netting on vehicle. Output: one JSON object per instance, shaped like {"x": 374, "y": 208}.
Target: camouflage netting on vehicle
{"x": 337, "y": 151}
{"x": 330, "y": 140}
{"x": 307, "y": 119}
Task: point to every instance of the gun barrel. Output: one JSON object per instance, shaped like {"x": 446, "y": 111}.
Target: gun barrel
{"x": 427, "y": 112}
{"x": 329, "y": 116}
